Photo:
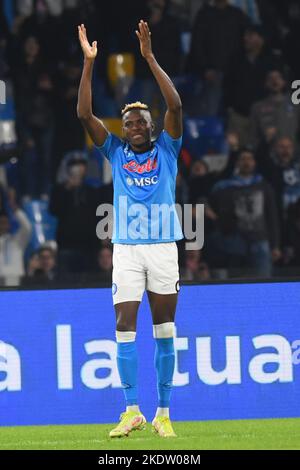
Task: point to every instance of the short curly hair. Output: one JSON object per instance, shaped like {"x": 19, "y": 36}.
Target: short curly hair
{"x": 136, "y": 105}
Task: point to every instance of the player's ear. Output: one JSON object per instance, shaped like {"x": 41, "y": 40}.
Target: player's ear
{"x": 152, "y": 126}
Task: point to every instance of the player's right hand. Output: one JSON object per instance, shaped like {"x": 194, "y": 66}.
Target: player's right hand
{"x": 89, "y": 51}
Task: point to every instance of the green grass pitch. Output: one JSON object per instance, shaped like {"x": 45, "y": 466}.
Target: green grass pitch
{"x": 191, "y": 435}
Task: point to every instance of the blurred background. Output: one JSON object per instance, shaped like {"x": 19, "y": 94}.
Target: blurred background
{"x": 232, "y": 61}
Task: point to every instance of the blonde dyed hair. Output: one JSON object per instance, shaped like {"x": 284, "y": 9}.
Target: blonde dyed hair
{"x": 136, "y": 105}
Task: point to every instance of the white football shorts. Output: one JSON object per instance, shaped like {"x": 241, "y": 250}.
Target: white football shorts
{"x": 137, "y": 268}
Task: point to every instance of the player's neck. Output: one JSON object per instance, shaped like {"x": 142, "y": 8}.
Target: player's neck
{"x": 141, "y": 148}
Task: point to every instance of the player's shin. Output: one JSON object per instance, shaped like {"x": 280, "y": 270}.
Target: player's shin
{"x": 127, "y": 367}
{"x": 164, "y": 363}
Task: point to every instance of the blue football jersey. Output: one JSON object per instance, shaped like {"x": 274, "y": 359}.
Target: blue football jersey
{"x": 144, "y": 190}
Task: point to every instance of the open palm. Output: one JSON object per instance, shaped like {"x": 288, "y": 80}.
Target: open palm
{"x": 144, "y": 36}
{"x": 89, "y": 51}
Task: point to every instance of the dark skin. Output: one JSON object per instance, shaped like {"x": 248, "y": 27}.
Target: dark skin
{"x": 163, "y": 308}
{"x": 137, "y": 131}
{"x": 93, "y": 125}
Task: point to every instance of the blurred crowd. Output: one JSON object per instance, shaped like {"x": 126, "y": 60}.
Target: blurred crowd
{"x": 233, "y": 62}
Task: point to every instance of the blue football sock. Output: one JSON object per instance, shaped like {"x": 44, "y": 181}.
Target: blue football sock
{"x": 164, "y": 361}
{"x": 127, "y": 366}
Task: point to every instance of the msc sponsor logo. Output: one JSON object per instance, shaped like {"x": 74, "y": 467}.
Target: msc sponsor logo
{"x": 147, "y": 181}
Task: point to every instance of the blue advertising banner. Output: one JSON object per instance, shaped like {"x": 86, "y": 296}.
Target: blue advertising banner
{"x": 237, "y": 355}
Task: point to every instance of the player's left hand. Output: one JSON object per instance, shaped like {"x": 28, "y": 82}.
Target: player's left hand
{"x": 144, "y": 36}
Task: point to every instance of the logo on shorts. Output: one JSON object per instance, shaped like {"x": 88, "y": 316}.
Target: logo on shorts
{"x": 114, "y": 288}
{"x": 177, "y": 286}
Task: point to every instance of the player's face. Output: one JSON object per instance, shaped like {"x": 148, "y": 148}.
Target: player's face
{"x": 137, "y": 128}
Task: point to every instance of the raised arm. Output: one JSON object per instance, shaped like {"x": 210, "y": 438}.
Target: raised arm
{"x": 173, "y": 117}
{"x": 23, "y": 233}
{"x": 91, "y": 123}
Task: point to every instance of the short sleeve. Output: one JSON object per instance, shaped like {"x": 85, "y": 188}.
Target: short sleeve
{"x": 110, "y": 146}
{"x": 168, "y": 143}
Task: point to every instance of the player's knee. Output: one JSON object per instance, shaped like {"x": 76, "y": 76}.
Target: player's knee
{"x": 164, "y": 330}
{"x": 124, "y": 324}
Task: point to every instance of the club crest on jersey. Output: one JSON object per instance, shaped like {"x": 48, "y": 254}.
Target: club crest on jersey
{"x": 135, "y": 167}
{"x": 147, "y": 181}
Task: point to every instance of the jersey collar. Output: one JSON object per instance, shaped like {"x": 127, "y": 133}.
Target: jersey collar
{"x": 129, "y": 153}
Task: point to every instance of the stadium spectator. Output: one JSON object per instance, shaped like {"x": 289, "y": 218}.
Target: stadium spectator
{"x": 182, "y": 190}
{"x": 246, "y": 213}
{"x": 105, "y": 194}
{"x": 165, "y": 42}
{"x": 42, "y": 267}
{"x": 74, "y": 204}
{"x": 282, "y": 169}
{"x": 33, "y": 264}
{"x": 192, "y": 260}
{"x": 167, "y": 49}
{"x": 292, "y": 248}
{"x": 13, "y": 245}
{"x": 3, "y": 197}
{"x": 201, "y": 180}
{"x": 70, "y": 135}
{"x": 272, "y": 14}
{"x": 204, "y": 273}
{"x": 104, "y": 262}
{"x": 40, "y": 21}
{"x": 35, "y": 119}
{"x": 27, "y": 7}
{"x": 4, "y": 31}
{"x": 216, "y": 40}
{"x": 200, "y": 183}
{"x": 245, "y": 81}
{"x": 249, "y": 7}
{"x": 4, "y": 36}
{"x": 275, "y": 116}
{"x": 47, "y": 264}
{"x": 195, "y": 269}
{"x": 291, "y": 47}
{"x": 284, "y": 151}
{"x": 186, "y": 11}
